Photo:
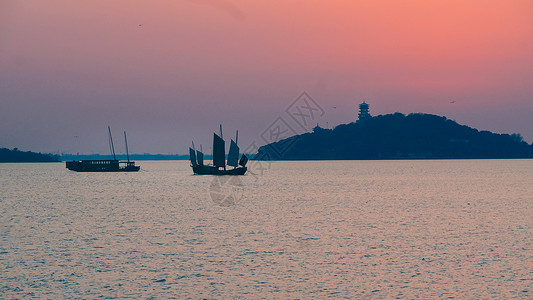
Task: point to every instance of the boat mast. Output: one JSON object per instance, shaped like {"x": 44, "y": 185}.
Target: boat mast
{"x": 223, "y": 153}
{"x": 127, "y": 151}
{"x": 112, "y": 147}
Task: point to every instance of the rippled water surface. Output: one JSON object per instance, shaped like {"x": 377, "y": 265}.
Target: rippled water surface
{"x": 358, "y": 229}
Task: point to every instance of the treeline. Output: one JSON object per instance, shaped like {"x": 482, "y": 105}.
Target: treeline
{"x": 397, "y": 136}
{"x": 145, "y": 156}
{"x": 15, "y": 155}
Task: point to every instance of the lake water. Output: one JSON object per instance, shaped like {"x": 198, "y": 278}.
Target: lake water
{"x": 339, "y": 229}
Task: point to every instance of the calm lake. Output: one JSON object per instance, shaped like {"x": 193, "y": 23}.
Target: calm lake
{"x": 328, "y": 229}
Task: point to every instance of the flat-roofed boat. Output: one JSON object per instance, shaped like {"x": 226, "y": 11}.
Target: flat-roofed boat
{"x": 105, "y": 165}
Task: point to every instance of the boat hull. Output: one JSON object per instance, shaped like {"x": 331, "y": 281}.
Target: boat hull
{"x": 210, "y": 170}
{"x": 101, "y": 166}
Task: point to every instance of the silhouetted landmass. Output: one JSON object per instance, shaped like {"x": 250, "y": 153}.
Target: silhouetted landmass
{"x": 397, "y": 136}
{"x": 145, "y": 156}
{"x": 16, "y": 155}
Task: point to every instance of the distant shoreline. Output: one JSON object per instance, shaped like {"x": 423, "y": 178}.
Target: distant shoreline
{"x": 146, "y": 156}
{"x": 16, "y": 156}
{"x": 384, "y": 137}
{"x": 300, "y": 160}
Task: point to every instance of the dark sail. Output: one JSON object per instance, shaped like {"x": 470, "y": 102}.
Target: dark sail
{"x": 192, "y": 155}
{"x": 243, "y": 160}
{"x": 200, "y": 157}
{"x": 219, "y": 159}
{"x": 233, "y": 155}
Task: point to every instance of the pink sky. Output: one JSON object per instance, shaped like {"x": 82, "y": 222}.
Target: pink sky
{"x": 170, "y": 71}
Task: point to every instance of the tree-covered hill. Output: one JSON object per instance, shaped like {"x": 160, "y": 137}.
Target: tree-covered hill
{"x": 397, "y": 136}
{"x": 16, "y": 155}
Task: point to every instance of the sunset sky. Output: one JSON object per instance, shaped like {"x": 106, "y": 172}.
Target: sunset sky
{"x": 169, "y": 72}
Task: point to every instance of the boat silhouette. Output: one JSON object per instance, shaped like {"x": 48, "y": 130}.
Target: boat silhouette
{"x": 105, "y": 165}
{"x": 219, "y": 165}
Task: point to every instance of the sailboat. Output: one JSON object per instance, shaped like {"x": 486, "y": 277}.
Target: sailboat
{"x": 105, "y": 165}
{"x": 219, "y": 166}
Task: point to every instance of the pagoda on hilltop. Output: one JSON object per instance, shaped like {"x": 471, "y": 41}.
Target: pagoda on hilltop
{"x": 363, "y": 112}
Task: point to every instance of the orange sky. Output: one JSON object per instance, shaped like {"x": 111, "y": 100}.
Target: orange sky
{"x": 170, "y": 71}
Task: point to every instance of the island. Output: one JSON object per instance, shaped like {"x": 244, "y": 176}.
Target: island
{"x": 397, "y": 136}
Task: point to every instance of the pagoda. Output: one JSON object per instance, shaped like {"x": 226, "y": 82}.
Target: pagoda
{"x": 363, "y": 112}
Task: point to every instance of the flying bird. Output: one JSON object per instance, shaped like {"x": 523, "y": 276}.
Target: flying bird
{"x": 453, "y": 101}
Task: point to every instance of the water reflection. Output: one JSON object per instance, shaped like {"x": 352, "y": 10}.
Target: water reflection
{"x": 363, "y": 229}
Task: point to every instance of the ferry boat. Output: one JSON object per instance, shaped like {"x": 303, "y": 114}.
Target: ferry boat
{"x": 219, "y": 166}
{"x": 105, "y": 165}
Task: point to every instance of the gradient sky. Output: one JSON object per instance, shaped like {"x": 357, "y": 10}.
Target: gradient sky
{"x": 169, "y": 72}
